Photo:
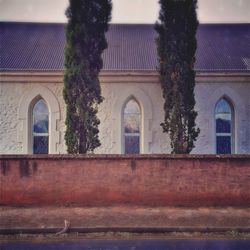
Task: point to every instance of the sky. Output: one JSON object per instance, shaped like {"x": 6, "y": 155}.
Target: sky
{"x": 124, "y": 11}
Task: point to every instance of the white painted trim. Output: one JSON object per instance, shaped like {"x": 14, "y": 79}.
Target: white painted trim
{"x": 43, "y": 73}
{"x": 24, "y": 128}
{"x": 123, "y": 76}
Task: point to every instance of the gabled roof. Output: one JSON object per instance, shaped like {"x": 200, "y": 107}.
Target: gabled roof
{"x": 40, "y": 46}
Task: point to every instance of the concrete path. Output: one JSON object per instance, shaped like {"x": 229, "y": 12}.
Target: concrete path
{"x": 123, "y": 218}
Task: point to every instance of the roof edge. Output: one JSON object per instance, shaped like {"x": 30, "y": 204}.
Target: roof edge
{"x": 116, "y": 24}
{"x": 119, "y": 72}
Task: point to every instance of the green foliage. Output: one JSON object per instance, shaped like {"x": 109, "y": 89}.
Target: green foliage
{"x": 85, "y": 42}
{"x": 176, "y": 46}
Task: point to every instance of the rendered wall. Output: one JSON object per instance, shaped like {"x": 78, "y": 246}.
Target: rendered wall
{"x": 116, "y": 89}
{"x": 156, "y": 180}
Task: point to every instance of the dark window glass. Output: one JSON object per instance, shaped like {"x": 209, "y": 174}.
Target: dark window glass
{"x": 132, "y": 144}
{"x": 223, "y": 107}
{"x": 223, "y": 126}
{"x": 40, "y": 144}
{"x": 223, "y": 116}
{"x": 40, "y": 128}
{"x": 40, "y": 117}
{"x": 223, "y": 144}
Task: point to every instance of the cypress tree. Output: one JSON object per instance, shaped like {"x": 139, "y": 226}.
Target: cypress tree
{"x": 85, "y": 42}
{"x": 176, "y": 47}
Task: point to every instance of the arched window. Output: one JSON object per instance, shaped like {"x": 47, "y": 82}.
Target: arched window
{"x": 40, "y": 128}
{"x": 131, "y": 127}
{"x": 224, "y": 127}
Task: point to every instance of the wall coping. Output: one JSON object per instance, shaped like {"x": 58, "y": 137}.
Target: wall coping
{"x": 120, "y": 156}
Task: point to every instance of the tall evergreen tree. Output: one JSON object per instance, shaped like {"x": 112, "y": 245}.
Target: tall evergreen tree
{"x": 85, "y": 42}
{"x": 176, "y": 46}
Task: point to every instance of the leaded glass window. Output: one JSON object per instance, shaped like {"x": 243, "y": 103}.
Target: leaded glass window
{"x": 132, "y": 123}
{"x": 40, "y": 127}
{"x": 224, "y": 117}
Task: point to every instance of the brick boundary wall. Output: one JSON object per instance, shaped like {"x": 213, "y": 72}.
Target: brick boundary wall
{"x": 103, "y": 180}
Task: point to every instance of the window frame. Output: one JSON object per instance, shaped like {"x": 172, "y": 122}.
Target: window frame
{"x": 124, "y": 134}
{"x": 34, "y": 134}
{"x": 232, "y": 125}
{"x": 30, "y": 95}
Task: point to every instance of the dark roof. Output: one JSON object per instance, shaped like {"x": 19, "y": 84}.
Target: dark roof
{"x": 40, "y": 46}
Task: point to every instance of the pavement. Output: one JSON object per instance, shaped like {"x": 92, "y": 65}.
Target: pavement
{"x": 50, "y": 219}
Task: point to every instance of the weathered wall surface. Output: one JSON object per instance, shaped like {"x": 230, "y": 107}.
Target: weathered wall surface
{"x": 12, "y": 131}
{"x": 207, "y": 95}
{"x": 117, "y": 89}
{"x": 157, "y": 180}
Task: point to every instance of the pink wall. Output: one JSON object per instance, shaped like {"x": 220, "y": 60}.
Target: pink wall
{"x": 97, "y": 180}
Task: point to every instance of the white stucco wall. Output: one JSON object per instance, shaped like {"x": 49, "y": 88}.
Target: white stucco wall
{"x": 14, "y": 131}
{"x": 148, "y": 96}
{"x": 207, "y": 95}
{"x": 15, "y": 95}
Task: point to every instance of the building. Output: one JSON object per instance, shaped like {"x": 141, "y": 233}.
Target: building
{"x": 32, "y": 109}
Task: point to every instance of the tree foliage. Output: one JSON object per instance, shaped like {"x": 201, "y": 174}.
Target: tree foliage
{"x": 85, "y": 42}
{"x": 176, "y": 46}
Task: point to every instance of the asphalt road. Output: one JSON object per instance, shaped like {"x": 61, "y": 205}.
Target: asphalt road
{"x": 131, "y": 245}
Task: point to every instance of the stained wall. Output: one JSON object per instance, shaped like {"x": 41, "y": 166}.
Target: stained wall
{"x": 152, "y": 180}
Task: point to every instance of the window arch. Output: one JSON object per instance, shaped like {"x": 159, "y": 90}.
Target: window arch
{"x": 224, "y": 126}
{"x": 40, "y": 127}
{"x": 30, "y": 97}
{"x": 131, "y": 127}
{"x": 146, "y": 108}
